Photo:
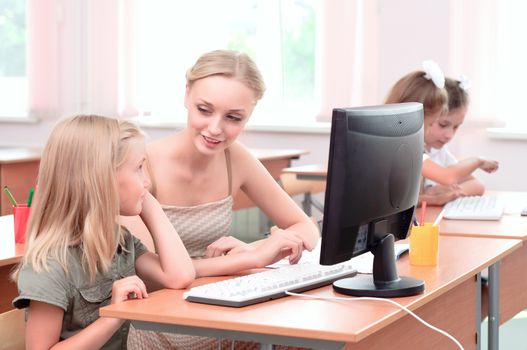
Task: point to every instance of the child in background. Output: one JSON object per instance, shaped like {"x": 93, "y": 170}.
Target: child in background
{"x": 437, "y": 136}
{"x": 77, "y": 257}
{"x": 428, "y": 87}
{"x": 425, "y": 86}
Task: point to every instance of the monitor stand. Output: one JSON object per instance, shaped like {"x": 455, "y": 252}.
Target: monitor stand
{"x": 385, "y": 281}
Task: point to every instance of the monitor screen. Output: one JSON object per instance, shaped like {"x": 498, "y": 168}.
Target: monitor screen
{"x": 373, "y": 180}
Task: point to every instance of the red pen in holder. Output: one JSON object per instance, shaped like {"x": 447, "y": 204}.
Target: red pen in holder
{"x": 21, "y": 215}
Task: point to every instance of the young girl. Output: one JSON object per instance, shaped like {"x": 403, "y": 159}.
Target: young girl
{"x": 77, "y": 258}
{"x": 197, "y": 172}
{"x": 428, "y": 87}
{"x": 440, "y": 133}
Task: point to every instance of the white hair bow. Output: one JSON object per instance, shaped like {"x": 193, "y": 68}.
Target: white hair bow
{"x": 434, "y": 73}
{"x": 464, "y": 83}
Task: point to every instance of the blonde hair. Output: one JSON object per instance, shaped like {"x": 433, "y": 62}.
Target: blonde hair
{"x": 231, "y": 64}
{"x": 77, "y": 200}
{"x": 414, "y": 87}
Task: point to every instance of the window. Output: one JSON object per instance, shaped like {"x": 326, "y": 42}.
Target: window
{"x": 13, "y": 82}
{"x": 278, "y": 34}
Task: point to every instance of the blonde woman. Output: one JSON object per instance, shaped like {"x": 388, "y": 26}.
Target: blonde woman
{"x": 196, "y": 173}
{"x": 77, "y": 258}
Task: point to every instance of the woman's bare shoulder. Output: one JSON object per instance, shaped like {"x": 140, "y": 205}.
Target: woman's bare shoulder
{"x": 240, "y": 151}
{"x": 241, "y": 157}
{"x": 159, "y": 144}
{"x": 161, "y": 148}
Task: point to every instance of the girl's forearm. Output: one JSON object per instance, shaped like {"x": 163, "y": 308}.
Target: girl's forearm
{"x": 472, "y": 187}
{"x": 433, "y": 199}
{"x": 224, "y": 265}
{"x": 466, "y": 167}
{"x": 452, "y": 174}
{"x": 92, "y": 337}
{"x": 308, "y": 232}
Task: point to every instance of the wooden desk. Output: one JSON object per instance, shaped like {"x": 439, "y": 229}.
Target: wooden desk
{"x": 10, "y": 255}
{"x": 508, "y": 296}
{"x": 274, "y": 161}
{"x": 18, "y": 170}
{"x": 512, "y": 269}
{"x": 309, "y": 172}
{"x": 449, "y": 302}
{"x": 511, "y": 225}
{"x": 313, "y": 172}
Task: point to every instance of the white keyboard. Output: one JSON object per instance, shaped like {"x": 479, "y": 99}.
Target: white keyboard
{"x": 269, "y": 284}
{"x": 474, "y": 208}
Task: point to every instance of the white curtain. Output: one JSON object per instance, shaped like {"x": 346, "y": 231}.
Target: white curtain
{"x": 42, "y": 58}
{"x": 473, "y": 31}
{"x": 348, "y": 70}
{"x": 79, "y": 57}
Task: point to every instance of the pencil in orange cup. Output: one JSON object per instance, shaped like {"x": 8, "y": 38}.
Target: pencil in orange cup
{"x": 423, "y": 213}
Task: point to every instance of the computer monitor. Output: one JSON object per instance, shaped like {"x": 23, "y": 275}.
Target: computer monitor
{"x": 373, "y": 180}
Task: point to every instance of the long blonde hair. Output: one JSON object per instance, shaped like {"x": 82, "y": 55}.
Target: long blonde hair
{"x": 77, "y": 200}
{"x": 231, "y": 64}
{"x": 414, "y": 87}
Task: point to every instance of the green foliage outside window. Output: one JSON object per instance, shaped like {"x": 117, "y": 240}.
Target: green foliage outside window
{"x": 298, "y": 26}
{"x": 12, "y": 38}
{"x": 299, "y": 59}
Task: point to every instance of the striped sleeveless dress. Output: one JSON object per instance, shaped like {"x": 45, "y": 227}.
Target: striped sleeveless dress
{"x": 198, "y": 226}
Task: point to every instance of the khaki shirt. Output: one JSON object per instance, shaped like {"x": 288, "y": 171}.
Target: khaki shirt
{"x": 73, "y": 292}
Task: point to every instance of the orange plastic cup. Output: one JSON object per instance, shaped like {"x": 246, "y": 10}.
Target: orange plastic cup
{"x": 424, "y": 244}
{"x": 21, "y": 215}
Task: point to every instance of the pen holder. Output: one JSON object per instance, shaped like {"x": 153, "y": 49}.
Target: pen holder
{"x": 21, "y": 215}
{"x": 424, "y": 245}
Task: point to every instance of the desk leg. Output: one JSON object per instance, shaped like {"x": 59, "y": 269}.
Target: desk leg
{"x": 494, "y": 306}
{"x": 309, "y": 202}
{"x": 264, "y": 346}
{"x": 318, "y": 205}
{"x": 478, "y": 311}
{"x": 306, "y": 203}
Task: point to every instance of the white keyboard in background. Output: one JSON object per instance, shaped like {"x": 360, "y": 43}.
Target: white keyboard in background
{"x": 474, "y": 208}
{"x": 269, "y": 284}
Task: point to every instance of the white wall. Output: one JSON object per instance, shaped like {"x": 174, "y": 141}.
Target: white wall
{"x": 511, "y": 175}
